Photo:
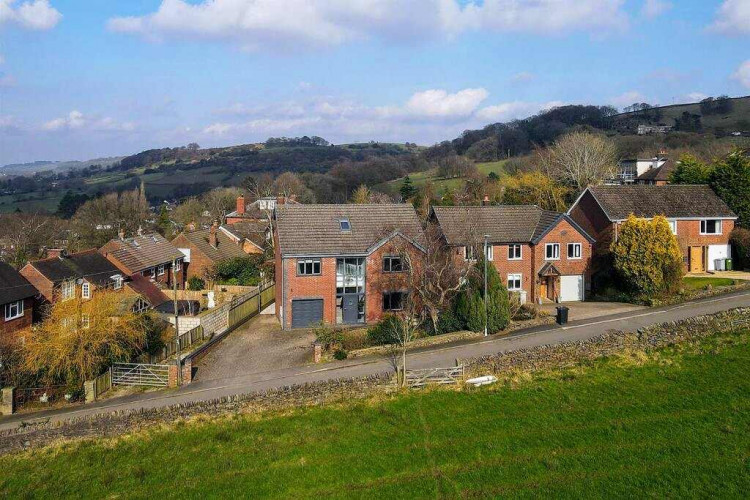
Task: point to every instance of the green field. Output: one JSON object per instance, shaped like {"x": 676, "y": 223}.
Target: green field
{"x": 737, "y": 119}
{"x": 441, "y": 184}
{"x": 699, "y": 283}
{"x": 673, "y": 423}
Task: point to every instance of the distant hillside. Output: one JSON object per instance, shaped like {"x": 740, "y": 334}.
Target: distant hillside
{"x": 714, "y": 116}
{"x": 44, "y": 166}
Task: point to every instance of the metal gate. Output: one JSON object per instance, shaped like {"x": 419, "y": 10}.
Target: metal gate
{"x": 140, "y": 374}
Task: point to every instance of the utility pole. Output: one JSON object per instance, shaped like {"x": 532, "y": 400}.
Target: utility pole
{"x": 176, "y": 328}
{"x": 486, "y": 238}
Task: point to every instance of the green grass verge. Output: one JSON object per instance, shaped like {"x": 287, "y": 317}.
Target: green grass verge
{"x": 699, "y": 283}
{"x": 672, "y": 424}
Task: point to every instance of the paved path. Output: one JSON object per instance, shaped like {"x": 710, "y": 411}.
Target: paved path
{"x": 429, "y": 357}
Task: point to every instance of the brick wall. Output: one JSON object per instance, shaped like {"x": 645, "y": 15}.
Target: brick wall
{"x": 199, "y": 262}
{"x": 24, "y": 321}
{"x": 377, "y": 282}
{"x": 322, "y": 286}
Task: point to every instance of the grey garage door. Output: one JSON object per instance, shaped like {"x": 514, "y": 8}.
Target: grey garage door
{"x": 306, "y": 312}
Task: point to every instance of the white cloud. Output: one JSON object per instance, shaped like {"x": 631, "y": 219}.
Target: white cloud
{"x": 742, "y": 75}
{"x": 77, "y": 120}
{"x": 268, "y": 23}
{"x": 652, "y": 9}
{"x": 732, "y": 18}
{"x": 31, "y": 14}
{"x": 628, "y": 98}
{"x": 696, "y": 96}
{"x": 441, "y": 103}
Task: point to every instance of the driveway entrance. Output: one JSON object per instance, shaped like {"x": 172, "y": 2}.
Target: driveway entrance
{"x": 260, "y": 345}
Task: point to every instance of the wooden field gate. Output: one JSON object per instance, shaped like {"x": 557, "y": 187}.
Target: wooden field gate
{"x": 140, "y": 374}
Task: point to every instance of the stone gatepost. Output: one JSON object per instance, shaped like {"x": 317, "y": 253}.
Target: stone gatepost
{"x": 8, "y": 401}
{"x": 317, "y": 352}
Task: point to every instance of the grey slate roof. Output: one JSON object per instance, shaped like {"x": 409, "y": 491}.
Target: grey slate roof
{"x": 314, "y": 229}
{"x": 502, "y": 223}
{"x": 89, "y": 264}
{"x": 143, "y": 252}
{"x": 13, "y": 286}
{"x": 225, "y": 247}
{"x": 673, "y": 200}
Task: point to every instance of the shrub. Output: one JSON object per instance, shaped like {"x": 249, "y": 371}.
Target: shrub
{"x": 740, "y": 239}
{"x": 340, "y": 354}
{"x": 327, "y": 336}
{"x": 243, "y": 271}
{"x": 196, "y": 284}
{"x": 380, "y": 333}
{"x": 448, "y": 322}
{"x": 647, "y": 257}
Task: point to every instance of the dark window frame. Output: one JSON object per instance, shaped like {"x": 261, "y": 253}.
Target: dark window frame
{"x": 388, "y": 261}
{"x": 388, "y": 300}
{"x": 302, "y": 271}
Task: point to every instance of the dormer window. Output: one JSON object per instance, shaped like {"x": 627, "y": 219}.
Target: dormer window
{"x": 344, "y": 224}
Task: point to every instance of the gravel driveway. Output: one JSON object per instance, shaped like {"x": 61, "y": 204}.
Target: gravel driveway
{"x": 258, "y": 346}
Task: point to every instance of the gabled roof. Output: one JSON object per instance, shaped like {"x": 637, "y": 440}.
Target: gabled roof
{"x": 502, "y": 223}
{"x": 142, "y": 252}
{"x": 146, "y": 289}
{"x": 89, "y": 265}
{"x": 225, "y": 247}
{"x": 254, "y": 231}
{"x": 661, "y": 173}
{"x": 316, "y": 229}
{"x": 13, "y": 286}
{"x": 673, "y": 201}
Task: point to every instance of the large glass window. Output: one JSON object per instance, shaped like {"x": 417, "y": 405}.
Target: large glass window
{"x": 350, "y": 275}
{"x": 308, "y": 267}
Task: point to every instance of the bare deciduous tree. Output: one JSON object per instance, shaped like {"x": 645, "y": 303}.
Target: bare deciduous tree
{"x": 580, "y": 159}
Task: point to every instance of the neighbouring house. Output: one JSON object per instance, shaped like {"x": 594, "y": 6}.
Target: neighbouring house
{"x": 343, "y": 264}
{"x": 654, "y": 129}
{"x": 700, "y": 219}
{"x": 148, "y": 255}
{"x": 258, "y": 210}
{"x": 144, "y": 294}
{"x": 253, "y": 236}
{"x": 16, "y": 300}
{"x": 541, "y": 255}
{"x": 659, "y": 176}
{"x": 63, "y": 276}
{"x": 206, "y": 247}
{"x": 632, "y": 169}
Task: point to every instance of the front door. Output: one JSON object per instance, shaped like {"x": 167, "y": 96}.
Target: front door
{"x": 351, "y": 308}
{"x": 696, "y": 260}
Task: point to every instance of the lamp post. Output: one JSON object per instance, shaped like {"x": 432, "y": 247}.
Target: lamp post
{"x": 486, "y": 241}
{"x": 176, "y": 326}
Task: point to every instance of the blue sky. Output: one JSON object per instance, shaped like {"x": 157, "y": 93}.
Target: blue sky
{"x": 82, "y": 79}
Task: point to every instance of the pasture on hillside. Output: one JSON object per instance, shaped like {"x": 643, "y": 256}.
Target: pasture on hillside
{"x": 669, "y": 423}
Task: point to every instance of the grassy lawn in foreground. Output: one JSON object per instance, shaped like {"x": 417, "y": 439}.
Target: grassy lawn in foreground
{"x": 700, "y": 282}
{"x": 672, "y": 424}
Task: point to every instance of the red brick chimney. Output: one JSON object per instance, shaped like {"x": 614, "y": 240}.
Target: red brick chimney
{"x": 212, "y": 234}
{"x": 240, "y": 205}
{"x": 55, "y": 253}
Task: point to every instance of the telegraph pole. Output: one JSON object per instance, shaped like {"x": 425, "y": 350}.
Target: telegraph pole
{"x": 486, "y": 238}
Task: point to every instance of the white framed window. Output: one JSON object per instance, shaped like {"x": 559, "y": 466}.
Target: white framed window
{"x": 673, "y": 226}
{"x": 85, "y": 321}
{"x": 345, "y": 225}
{"x": 13, "y": 310}
{"x": 515, "y": 282}
{"x": 574, "y": 251}
{"x": 160, "y": 270}
{"x": 711, "y": 226}
{"x": 86, "y": 290}
{"x": 514, "y": 252}
{"x": 177, "y": 266}
{"x": 67, "y": 290}
{"x": 490, "y": 252}
{"x": 552, "y": 251}
{"x": 117, "y": 279}
{"x": 469, "y": 253}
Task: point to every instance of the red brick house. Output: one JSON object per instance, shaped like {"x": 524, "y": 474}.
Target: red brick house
{"x": 148, "y": 255}
{"x": 539, "y": 254}
{"x": 343, "y": 264}
{"x": 253, "y": 236}
{"x": 16, "y": 300}
{"x": 258, "y": 210}
{"x": 206, "y": 247}
{"x": 63, "y": 276}
{"x": 701, "y": 221}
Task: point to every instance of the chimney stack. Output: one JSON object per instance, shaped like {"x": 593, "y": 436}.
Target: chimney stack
{"x": 212, "y": 234}
{"x": 240, "y": 205}
{"x": 55, "y": 253}
{"x": 121, "y": 233}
